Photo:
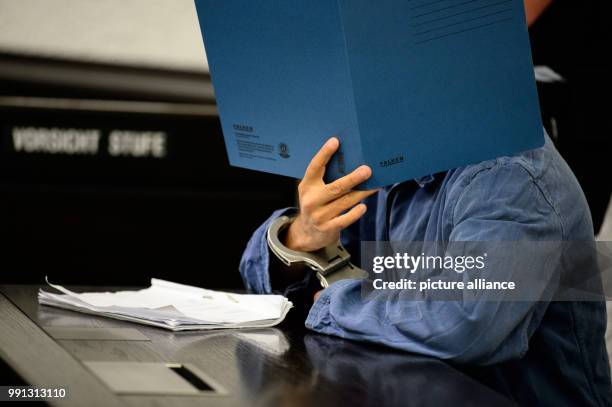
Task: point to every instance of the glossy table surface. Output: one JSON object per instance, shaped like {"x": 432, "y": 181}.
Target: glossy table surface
{"x": 285, "y": 365}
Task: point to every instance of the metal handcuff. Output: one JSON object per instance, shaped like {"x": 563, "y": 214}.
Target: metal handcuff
{"x": 331, "y": 263}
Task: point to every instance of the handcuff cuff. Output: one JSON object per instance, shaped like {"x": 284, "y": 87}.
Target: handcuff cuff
{"x": 331, "y": 263}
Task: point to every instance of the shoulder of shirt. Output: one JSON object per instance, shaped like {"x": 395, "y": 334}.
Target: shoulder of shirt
{"x": 531, "y": 164}
{"x": 529, "y": 167}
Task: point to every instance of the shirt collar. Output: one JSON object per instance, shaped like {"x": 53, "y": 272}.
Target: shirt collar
{"x": 422, "y": 181}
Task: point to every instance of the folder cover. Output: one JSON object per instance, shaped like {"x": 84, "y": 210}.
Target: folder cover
{"x": 410, "y": 87}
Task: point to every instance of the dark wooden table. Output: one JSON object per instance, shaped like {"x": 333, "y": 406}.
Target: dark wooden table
{"x": 286, "y": 365}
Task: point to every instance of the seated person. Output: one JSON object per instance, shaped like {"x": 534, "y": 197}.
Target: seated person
{"x": 535, "y": 352}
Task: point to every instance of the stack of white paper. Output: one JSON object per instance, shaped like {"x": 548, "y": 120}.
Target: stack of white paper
{"x": 175, "y": 306}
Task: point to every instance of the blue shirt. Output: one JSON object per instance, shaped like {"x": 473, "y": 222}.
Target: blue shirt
{"x": 545, "y": 353}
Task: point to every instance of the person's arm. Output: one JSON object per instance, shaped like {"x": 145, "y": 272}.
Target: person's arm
{"x": 257, "y": 264}
{"x": 474, "y": 332}
{"x": 534, "y": 9}
{"x": 325, "y": 210}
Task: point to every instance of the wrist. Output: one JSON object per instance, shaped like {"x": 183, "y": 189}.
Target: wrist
{"x": 293, "y": 238}
{"x": 331, "y": 263}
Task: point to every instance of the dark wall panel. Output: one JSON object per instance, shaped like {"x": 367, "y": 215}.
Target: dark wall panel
{"x": 180, "y": 213}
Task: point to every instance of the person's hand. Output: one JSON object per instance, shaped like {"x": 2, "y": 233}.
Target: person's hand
{"x": 326, "y": 209}
{"x": 534, "y": 9}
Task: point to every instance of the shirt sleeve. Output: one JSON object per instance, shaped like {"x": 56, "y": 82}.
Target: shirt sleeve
{"x": 499, "y": 204}
{"x": 255, "y": 261}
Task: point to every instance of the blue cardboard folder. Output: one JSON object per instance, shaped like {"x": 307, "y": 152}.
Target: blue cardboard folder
{"x": 410, "y": 87}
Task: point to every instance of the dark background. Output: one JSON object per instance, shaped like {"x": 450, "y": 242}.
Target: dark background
{"x": 116, "y": 220}
{"x": 574, "y": 38}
